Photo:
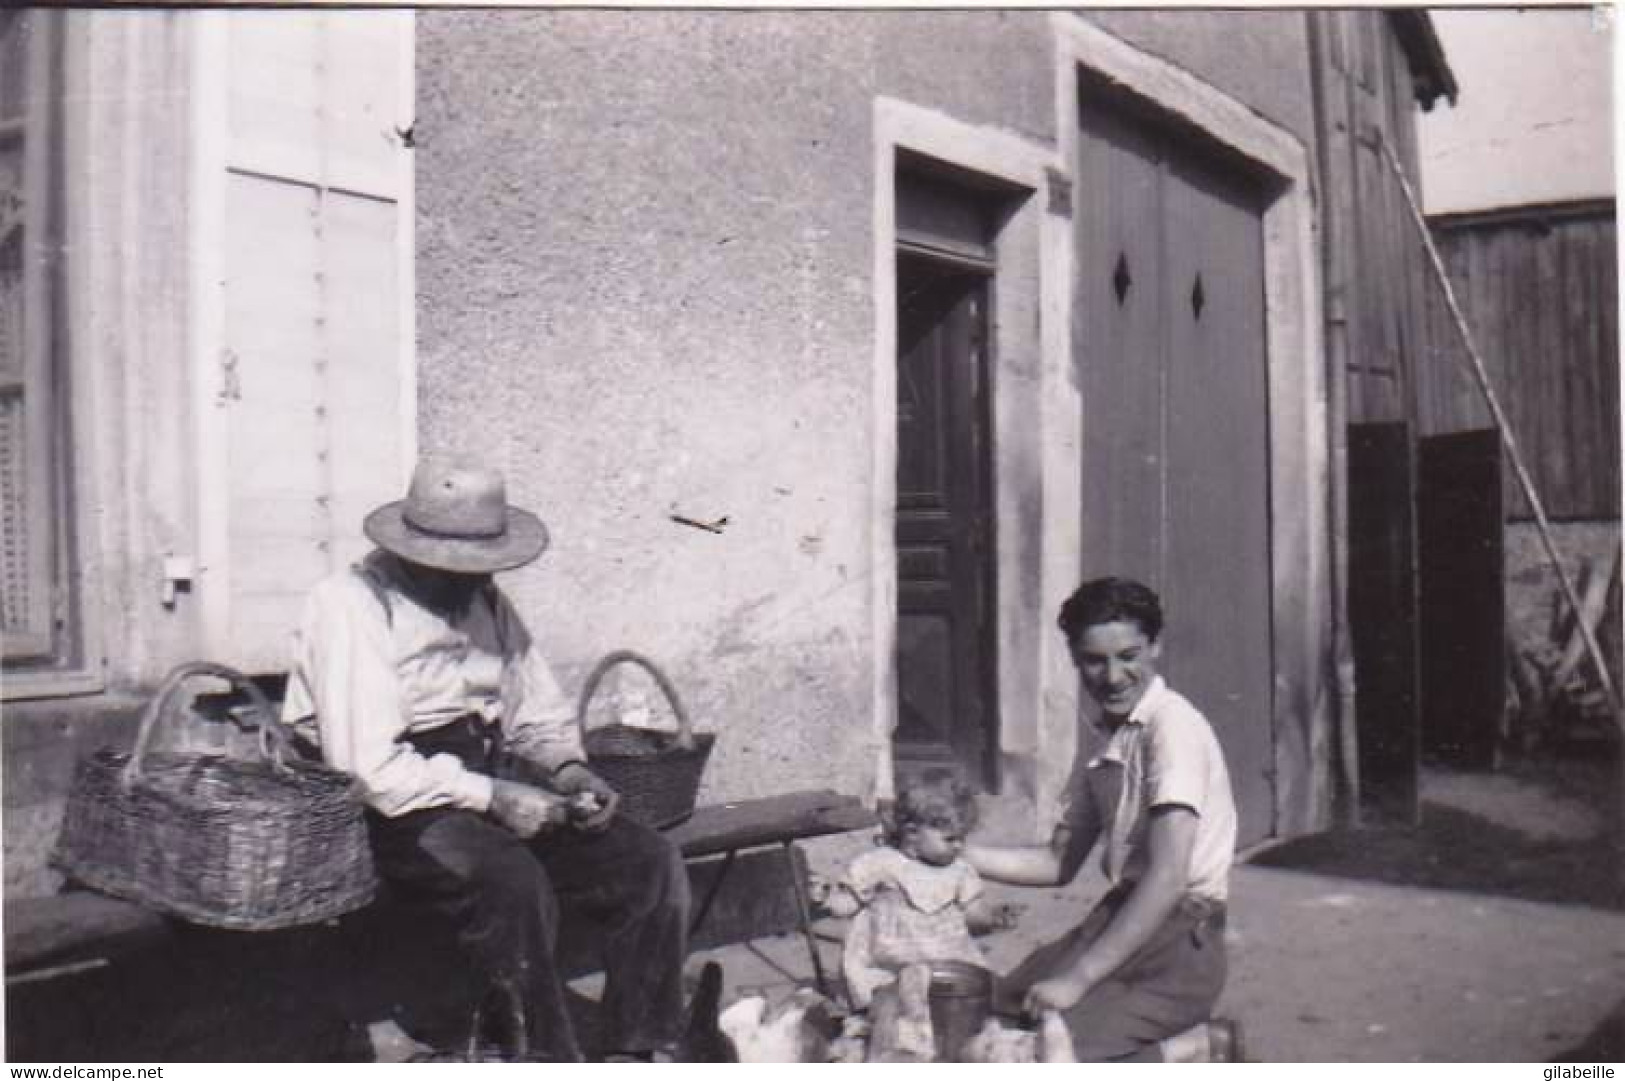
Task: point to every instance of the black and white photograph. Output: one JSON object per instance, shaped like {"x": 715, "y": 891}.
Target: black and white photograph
{"x": 987, "y": 534}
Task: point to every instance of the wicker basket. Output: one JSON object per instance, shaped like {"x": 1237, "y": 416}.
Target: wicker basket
{"x": 656, "y": 773}
{"x": 216, "y": 840}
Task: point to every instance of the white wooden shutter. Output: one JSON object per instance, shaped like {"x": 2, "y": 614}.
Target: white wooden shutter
{"x": 28, "y": 568}
{"x": 314, "y": 385}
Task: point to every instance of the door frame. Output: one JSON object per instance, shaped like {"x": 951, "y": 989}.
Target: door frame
{"x": 1023, "y": 324}
{"x": 1302, "y": 720}
{"x": 984, "y": 771}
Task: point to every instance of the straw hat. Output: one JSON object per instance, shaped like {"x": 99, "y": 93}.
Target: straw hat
{"x": 456, "y": 517}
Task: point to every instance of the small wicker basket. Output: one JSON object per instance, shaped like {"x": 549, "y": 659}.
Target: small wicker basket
{"x": 656, "y": 773}
{"x": 215, "y": 840}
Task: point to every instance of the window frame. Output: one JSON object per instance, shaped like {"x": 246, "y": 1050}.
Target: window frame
{"x": 66, "y": 659}
{"x": 34, "y": 132}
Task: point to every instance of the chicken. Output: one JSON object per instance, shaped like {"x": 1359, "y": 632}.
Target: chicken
{"x": 799, "y": 1029}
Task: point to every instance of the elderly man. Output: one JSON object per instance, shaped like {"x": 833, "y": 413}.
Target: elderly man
{"x": 414, "y": 673}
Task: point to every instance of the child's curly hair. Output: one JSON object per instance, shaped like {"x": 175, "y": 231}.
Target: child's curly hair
{"x": 940, "y": 800}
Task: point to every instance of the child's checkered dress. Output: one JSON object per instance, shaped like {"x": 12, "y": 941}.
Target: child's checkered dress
{"x": 912, "y": 912}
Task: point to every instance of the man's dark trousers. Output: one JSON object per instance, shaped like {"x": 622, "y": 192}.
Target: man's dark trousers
{"x": 1169, "y": 986}
{"x": 504, "y": 895}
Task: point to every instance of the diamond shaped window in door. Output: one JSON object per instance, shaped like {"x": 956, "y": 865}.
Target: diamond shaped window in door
{"x": 1121, "y": 281}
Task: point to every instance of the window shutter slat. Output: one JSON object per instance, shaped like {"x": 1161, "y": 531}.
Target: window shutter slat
{"x": 28, "y": 469}
{"x": 313, "y": 295}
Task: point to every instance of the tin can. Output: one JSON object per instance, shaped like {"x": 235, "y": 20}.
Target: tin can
{"x": 961, "y": 1002}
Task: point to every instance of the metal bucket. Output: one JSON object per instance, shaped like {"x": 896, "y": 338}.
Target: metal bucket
{"x": 961, "y": 1001}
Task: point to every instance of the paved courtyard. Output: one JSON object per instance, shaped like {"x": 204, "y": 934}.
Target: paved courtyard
{"x": 1336, "y": 970}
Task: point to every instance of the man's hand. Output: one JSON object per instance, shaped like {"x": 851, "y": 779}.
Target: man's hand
{"x": 594, "y": 802}
{"x": 1055, "y": 993}
{"x": 525, "y": 809}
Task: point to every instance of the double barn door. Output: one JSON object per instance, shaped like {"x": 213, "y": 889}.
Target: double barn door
{"x": 1169, "y": 340}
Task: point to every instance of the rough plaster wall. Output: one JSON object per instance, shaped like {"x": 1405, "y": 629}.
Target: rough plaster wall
{"x": 644, "y": 271}
{"x": 1260, "y": 58}
{"x": 645, "y": 262}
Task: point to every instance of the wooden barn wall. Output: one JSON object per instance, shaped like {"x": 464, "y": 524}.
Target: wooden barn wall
{"x": 1365, "y": 97}
{"x": 1368, "y": 97}
{"x": 1539, "y": 290}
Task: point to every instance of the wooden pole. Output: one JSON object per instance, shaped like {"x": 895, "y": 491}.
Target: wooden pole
{"x": 1481, "y": 376}
{"x": 1330, "y": 99}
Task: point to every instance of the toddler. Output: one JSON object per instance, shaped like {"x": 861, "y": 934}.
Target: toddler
{"x": 912, "y": 900}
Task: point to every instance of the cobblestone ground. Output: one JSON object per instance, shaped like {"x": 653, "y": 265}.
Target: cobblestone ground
{"x": 1521, "y": 957}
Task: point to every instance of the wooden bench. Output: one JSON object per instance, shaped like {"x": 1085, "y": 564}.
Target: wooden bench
{"x": 727, "y": 829}
{"x": 69, "y": 932}
{"x": 46, "y": 936}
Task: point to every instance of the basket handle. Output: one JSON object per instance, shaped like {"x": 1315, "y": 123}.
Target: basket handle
{"x": 273, "y": 738}
{"x": 685, "y": 727}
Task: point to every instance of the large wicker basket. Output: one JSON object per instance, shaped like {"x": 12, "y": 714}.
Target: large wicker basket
{"x": 656, "y": 773}
{"x": 216, "y": 840}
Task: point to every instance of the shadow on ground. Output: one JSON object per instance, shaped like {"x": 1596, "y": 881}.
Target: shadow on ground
{"x": 298, "y": 995}
{"x": 1545, "y": 830}
{"x": 1606, "y": 1043}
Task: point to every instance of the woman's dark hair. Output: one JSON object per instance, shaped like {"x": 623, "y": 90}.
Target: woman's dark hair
{"x": 1111, "y": 600}
{"x": 941, "y": 800}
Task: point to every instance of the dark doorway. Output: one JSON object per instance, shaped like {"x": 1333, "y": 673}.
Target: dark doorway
{"x": 1169, "y": 336}
{"x": 946, "y": 694}
{"x": 1382, "y": 619}
{"x": 1463, "y": 604}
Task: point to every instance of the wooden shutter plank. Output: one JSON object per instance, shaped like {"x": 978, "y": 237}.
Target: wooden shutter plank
{"x": 363, "y": 374}
{"x": 29, "y": 470}
{"x": 361, "y": 74}
{"x": 275, "y": 93}
{"x": 274, "y": 301}
{"x": 313, "y": 339}
{"x": 1217, "y": 467}
{"x": 1117, "y": 346}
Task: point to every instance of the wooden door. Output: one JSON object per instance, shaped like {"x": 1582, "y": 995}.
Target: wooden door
{"x": 1170, "y": 341}
{"x": 1382, "y": 619}
{"x": 1462, "y": 605}
{"x": 946, "y": 712}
